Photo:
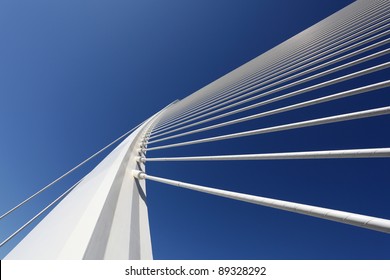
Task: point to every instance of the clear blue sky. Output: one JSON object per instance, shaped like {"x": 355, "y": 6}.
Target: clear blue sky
{"x": 74, "y": 75}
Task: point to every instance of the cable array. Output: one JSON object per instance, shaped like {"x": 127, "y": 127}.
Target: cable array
{"x": 342, "y": 57}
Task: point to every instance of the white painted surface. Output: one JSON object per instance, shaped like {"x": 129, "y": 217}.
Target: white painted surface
{"x": 104, "y": 217}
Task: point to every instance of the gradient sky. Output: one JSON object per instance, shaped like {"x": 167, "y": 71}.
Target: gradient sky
{"x": 75, "y": 75}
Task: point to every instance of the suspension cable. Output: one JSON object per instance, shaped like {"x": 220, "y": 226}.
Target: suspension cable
{"x": 368, "y": 222}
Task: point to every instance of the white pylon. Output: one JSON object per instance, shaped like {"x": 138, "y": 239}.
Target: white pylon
{"x": 104, "y": 217}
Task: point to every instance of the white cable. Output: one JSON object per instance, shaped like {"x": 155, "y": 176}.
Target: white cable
{"x": 364, "y": 221}
{"x": 330, "y": 154}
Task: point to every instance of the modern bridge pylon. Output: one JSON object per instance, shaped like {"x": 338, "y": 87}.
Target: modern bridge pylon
{"x": 104, "y": 215}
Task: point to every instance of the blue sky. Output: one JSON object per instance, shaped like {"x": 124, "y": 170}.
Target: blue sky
{"x": 75, "y": 75}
